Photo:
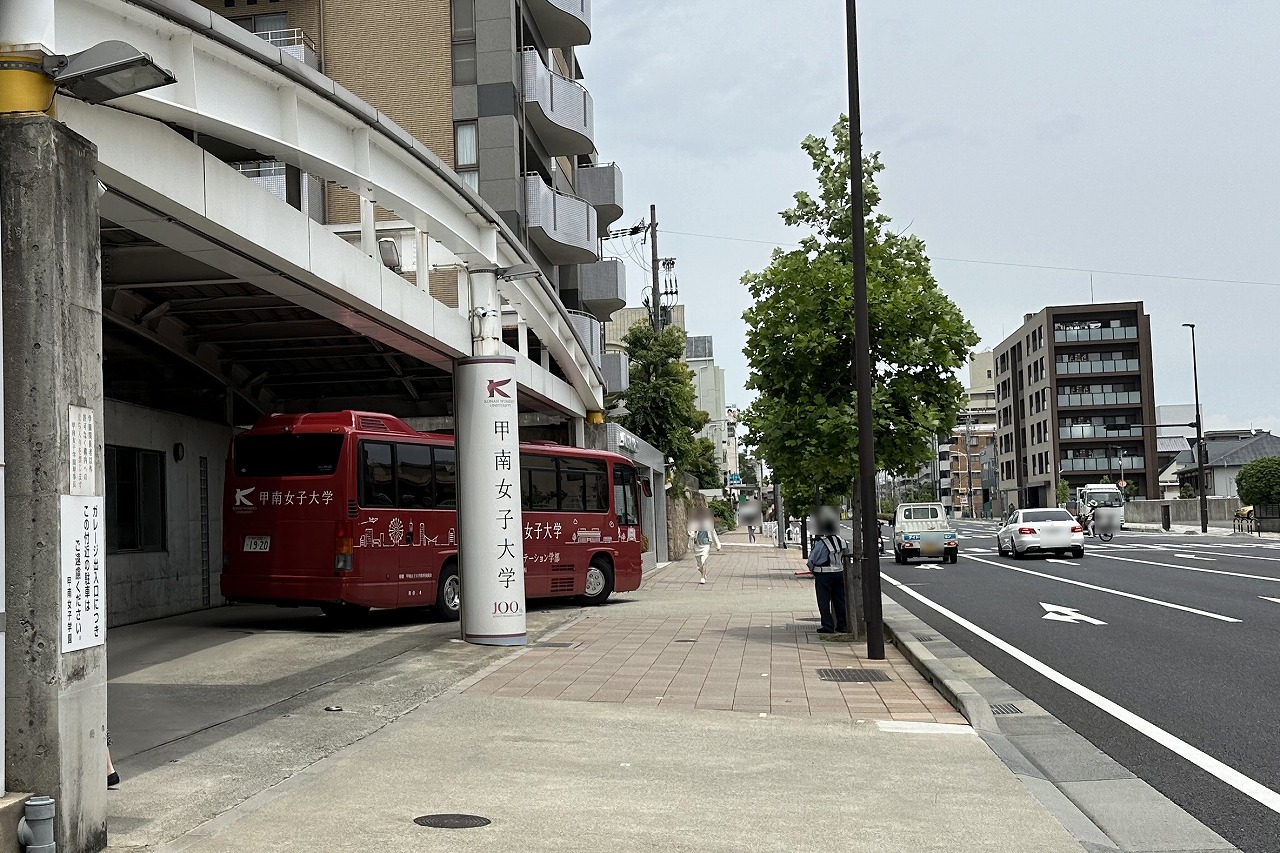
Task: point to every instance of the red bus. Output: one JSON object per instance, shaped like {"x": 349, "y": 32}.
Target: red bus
{"x": 356, "y": 510}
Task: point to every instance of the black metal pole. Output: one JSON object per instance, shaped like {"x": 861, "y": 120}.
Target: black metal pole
{"x": 862, "y": 360}
{"x": 1200, "y": 448}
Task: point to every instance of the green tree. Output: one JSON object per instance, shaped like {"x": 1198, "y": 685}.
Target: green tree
{"x": 1064, "y": 492}
{"x": 1186, "y": 492}
{"x": 702, "y": 464}
{"x": 920, "y": 493}
{"x": 660, "y": 399}
{"x": 1258, "y": 482}
{"x": 725, "y": 512}
{"x": 800, "y": 340}
{"x": 747, "y": 469}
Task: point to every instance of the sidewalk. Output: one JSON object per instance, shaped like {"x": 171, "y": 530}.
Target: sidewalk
{"x": 682, "y": 717}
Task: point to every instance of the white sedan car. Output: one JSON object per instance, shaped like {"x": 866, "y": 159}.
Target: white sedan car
{"x": 1042, "y": 530}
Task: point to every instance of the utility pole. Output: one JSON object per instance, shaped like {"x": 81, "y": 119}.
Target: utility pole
{"x": 655, "y": 297}
{"x": 862, "y": 362}
{"x": 1201, "y": 451}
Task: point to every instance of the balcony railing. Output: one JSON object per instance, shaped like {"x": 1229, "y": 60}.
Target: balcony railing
{"x": 588, "y": 328}
{"x": 1112, "y": 333}
{"x": 1103, "y": 463}
{"x": 295, "y": 43}
{"x": 602, "y": 186}
{"x": 563, "y": 226}
{"x": 1122, "y": 365}
{"x": 559, "y": 109}
{"x": 1096, "y": 431}
{"x": 563, "y": 23}
{"x": 603, "y": 287}
{"x": 1117, "y": 398}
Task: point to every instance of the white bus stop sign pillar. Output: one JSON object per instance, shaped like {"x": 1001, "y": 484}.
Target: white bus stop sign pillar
{"x": 487, "y": 435}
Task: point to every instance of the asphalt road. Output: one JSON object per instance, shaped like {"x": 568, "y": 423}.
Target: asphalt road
{"x": 1179, "y": 682}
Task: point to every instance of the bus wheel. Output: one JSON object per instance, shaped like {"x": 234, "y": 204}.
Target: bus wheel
{"x": 599, "y": 582}
{"x": 344, "y": 612}
{"x": 449, "y": 594}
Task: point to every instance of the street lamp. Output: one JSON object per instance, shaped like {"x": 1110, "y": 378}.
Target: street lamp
{"x": 1200, "y": 448}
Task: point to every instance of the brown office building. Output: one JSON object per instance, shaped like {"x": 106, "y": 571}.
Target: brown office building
{"x": 491, "y": 86}
{"x": 1073, "y": 389}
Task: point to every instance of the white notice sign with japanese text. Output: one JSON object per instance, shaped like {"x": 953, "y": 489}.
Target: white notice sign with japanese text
{"x": 84, "y": 471}
{"x": 81, "y": 588}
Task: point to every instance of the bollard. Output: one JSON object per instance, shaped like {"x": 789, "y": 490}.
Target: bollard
{"x": 35, "y": 830}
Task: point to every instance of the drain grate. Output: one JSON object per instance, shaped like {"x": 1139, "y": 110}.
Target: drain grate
{"x": 857, "y": 675}
{"x": 452, "y": 821}
{"x": 1005, "y": 708}
{"x": 684, "y": 641}
{"x": 554, "y": 645}
{"x": 925, "y": 638}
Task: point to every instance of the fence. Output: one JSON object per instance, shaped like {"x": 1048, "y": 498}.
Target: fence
{"x": 1183, "y": 511}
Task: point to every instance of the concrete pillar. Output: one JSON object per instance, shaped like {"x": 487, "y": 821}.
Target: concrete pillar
{"x": 55, "y": 660}
{"x": 487, "y": 436}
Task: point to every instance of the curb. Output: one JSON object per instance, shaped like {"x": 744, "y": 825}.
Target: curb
{"x": 901, "y": 624}
{"x": 977, "y": 711}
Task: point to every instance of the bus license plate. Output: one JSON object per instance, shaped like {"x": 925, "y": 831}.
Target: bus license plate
{"x": 257, "y": 543}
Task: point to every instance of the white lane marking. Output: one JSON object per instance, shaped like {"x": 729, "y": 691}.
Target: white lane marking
{"x": 1062, "y": 562}
{"x": 1196, "y": 557}
{"x": 1268, "y": 598}
{"x": 1120, "y": 593}
{"x": 1067, "y": 614}
{"x": 1237, "y": 556}
{"x": 980, "y": 550}
{"x": 1191, "y": 568}
{"x": 911, "y": 727}
{"x": 1174, "y": 744}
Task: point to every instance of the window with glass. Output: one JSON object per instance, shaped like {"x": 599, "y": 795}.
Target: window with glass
{"x": 377, "y": 475}
{"x": 539, "y": 490}
{"x": 135, "y": 500}
{"x": 463, "y": 17}
{"x": 413, "y": 476}
{"x": 259, "y": 24}
{"x": 466, "y": 153}
{"x": 444, "y": 477}
{"x": 626, "y": 504}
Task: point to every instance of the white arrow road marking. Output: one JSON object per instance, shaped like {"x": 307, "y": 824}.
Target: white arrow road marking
{"x": 1120, "y": 593}
{"x": 1174, "y": 744}
{"x": 1268, "y": 598}
{"x": 1190, "y": 568}
{"x": 1067, "y": 614}
{"x": 1196, "y": 557}
{"x": 1062, "y": 562}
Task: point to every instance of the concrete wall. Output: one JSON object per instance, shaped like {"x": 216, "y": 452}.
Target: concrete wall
{"x": 1221, "y": 511}
{"x": 153, "y": 584}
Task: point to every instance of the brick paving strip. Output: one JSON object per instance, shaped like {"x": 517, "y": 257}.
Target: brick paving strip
{"x": 759, "y": 663}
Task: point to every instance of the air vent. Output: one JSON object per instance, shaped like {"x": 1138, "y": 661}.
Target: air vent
{"x": 562, "y": 585}
{"x": 352, "y": 509}
{"x": 372, "y": 424}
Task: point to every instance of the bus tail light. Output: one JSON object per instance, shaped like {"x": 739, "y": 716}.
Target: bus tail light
{"x": 343, "y": 547}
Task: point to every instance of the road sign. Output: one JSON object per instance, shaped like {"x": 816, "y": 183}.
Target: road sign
{"x": 1058, "y": 613}
{"x": 1120, "y": 484}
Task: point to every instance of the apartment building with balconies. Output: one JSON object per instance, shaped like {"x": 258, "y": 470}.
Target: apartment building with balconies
{"x": 1074, "y": 393}
{"x": 494, "y": 88}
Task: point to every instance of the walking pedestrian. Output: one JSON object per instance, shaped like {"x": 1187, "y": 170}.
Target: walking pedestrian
{"x": 827, "y": 564}
{"x": 751, "y": 533}
{"x": 113, "y": 778}
{"x": 702, "y": 535}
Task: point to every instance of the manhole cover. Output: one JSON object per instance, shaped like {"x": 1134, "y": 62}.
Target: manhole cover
{"x": 452, "y": 821}
{"x": 858, "y": 675}
{"x": 554, "y": 645}
{"x": 1005, "y": 708}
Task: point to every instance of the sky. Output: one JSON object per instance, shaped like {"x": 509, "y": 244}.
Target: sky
{"x": 1141, "y": 137}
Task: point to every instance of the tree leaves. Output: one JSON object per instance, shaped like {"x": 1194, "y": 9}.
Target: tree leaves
{"x": 660, "y": 399}
{"x": 801, "y": 331}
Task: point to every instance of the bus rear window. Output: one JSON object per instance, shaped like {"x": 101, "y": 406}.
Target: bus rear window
{"x": 288, "y": 455}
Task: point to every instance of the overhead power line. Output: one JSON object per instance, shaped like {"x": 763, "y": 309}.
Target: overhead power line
{"x": 1015, "y": 264}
